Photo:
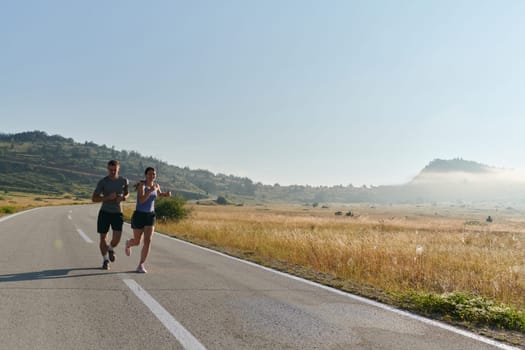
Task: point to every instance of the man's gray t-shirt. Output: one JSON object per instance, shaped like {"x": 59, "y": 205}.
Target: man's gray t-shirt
{"x": 107, "y": 186}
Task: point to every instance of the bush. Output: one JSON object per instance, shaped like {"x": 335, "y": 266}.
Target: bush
{"x": 171, "y": 208}
{"x": 470, "y": 308}
{"x": 221, "y": 200}
{"x": 7, "y": 210}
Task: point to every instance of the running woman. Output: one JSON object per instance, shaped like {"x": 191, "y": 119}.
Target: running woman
{"x": 143, "y": 218}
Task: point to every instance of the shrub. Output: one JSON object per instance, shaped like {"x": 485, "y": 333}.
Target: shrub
{"x": 171, "y": 208}
{"x": 7, "y": 210}
{"x": 471, "y": 308}
{"x": 221, "y": 200}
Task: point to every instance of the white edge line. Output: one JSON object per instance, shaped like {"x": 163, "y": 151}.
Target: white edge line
{"x": 185, "y": 338}
{"x": 361, "y": 299}
{"x": 7, "y": 217}
{"x": 83, "y": 235}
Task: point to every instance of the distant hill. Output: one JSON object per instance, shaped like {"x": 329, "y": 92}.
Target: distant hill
{"x": 454, "y": 170}
{"x": 39, "y": 163}
{"x": 467, "y": 181}
{"x": 455, "y": 165}
{"x": 36, "y": 162}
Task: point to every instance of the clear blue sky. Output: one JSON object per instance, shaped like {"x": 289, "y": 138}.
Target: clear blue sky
{"x": 290, "y": 92}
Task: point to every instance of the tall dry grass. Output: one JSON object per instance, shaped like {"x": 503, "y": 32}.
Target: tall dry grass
{"x": 396, "y": 251}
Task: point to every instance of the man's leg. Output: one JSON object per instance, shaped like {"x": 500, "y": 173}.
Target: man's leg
{"x": 115, "y": 239}
{"x": 116, "y": 225}
{"x": 103, "y": 224}
{"x": 103, "y": 243}
{"x": 104, "y": 250}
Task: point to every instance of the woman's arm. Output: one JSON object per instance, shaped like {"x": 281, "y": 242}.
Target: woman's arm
{"x": 163, "y": 194}
{"x": 142, "y": 193}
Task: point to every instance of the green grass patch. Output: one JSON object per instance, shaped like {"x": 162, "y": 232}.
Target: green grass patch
{"x": 7, "y": 210}
{"x": 465, "y": 308}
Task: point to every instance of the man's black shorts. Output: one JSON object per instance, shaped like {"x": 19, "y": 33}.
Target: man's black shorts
{"x": 139, "y": 219}
{"x": 105, "y": 220}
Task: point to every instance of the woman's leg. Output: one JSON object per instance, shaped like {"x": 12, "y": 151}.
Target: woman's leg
{"x": 137, "y": 235}
{"x": 148, "y": 233}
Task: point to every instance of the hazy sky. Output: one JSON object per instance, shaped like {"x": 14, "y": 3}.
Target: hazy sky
{"x": 293, "y": 92}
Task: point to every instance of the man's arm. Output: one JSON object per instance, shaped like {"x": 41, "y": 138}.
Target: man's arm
{"x": 97, "y": 197}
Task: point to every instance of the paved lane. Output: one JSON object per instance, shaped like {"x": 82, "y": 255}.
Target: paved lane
{"x": 54, "y": 296}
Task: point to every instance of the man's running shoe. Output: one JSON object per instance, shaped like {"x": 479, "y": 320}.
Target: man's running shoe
{"x": 111, "y": 254}
{"x": 141, "y": 269}
{"x": 105, "y": 265}
{"x": 127, "y": 250}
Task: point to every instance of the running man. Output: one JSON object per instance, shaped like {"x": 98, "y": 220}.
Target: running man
{"x": 111, "y": 191}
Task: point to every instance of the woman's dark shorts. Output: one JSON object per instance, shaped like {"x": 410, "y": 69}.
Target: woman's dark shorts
{"x": 105, "y": 220}
{"x": 139, "y": 219}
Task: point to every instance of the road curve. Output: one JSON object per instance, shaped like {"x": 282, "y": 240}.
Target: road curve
{"x": 55, "y": 296}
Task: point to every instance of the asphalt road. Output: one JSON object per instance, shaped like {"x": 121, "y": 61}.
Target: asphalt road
{"x": 53, "y": 295}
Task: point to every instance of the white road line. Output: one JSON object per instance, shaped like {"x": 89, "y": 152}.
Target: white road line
{"x": 185, "y": 338}
{"x": 16, "y": 214}
{"x": 422, "y": 319}
{"x": 83, "y": 235}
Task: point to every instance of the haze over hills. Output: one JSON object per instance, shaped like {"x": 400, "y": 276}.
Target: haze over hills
{"x": 36, "y": 162}
{"x": 461, "y": 180}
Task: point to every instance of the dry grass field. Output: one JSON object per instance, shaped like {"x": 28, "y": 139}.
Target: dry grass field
{"x": 395, "y": 249}
{"x": 394, "y": 254}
